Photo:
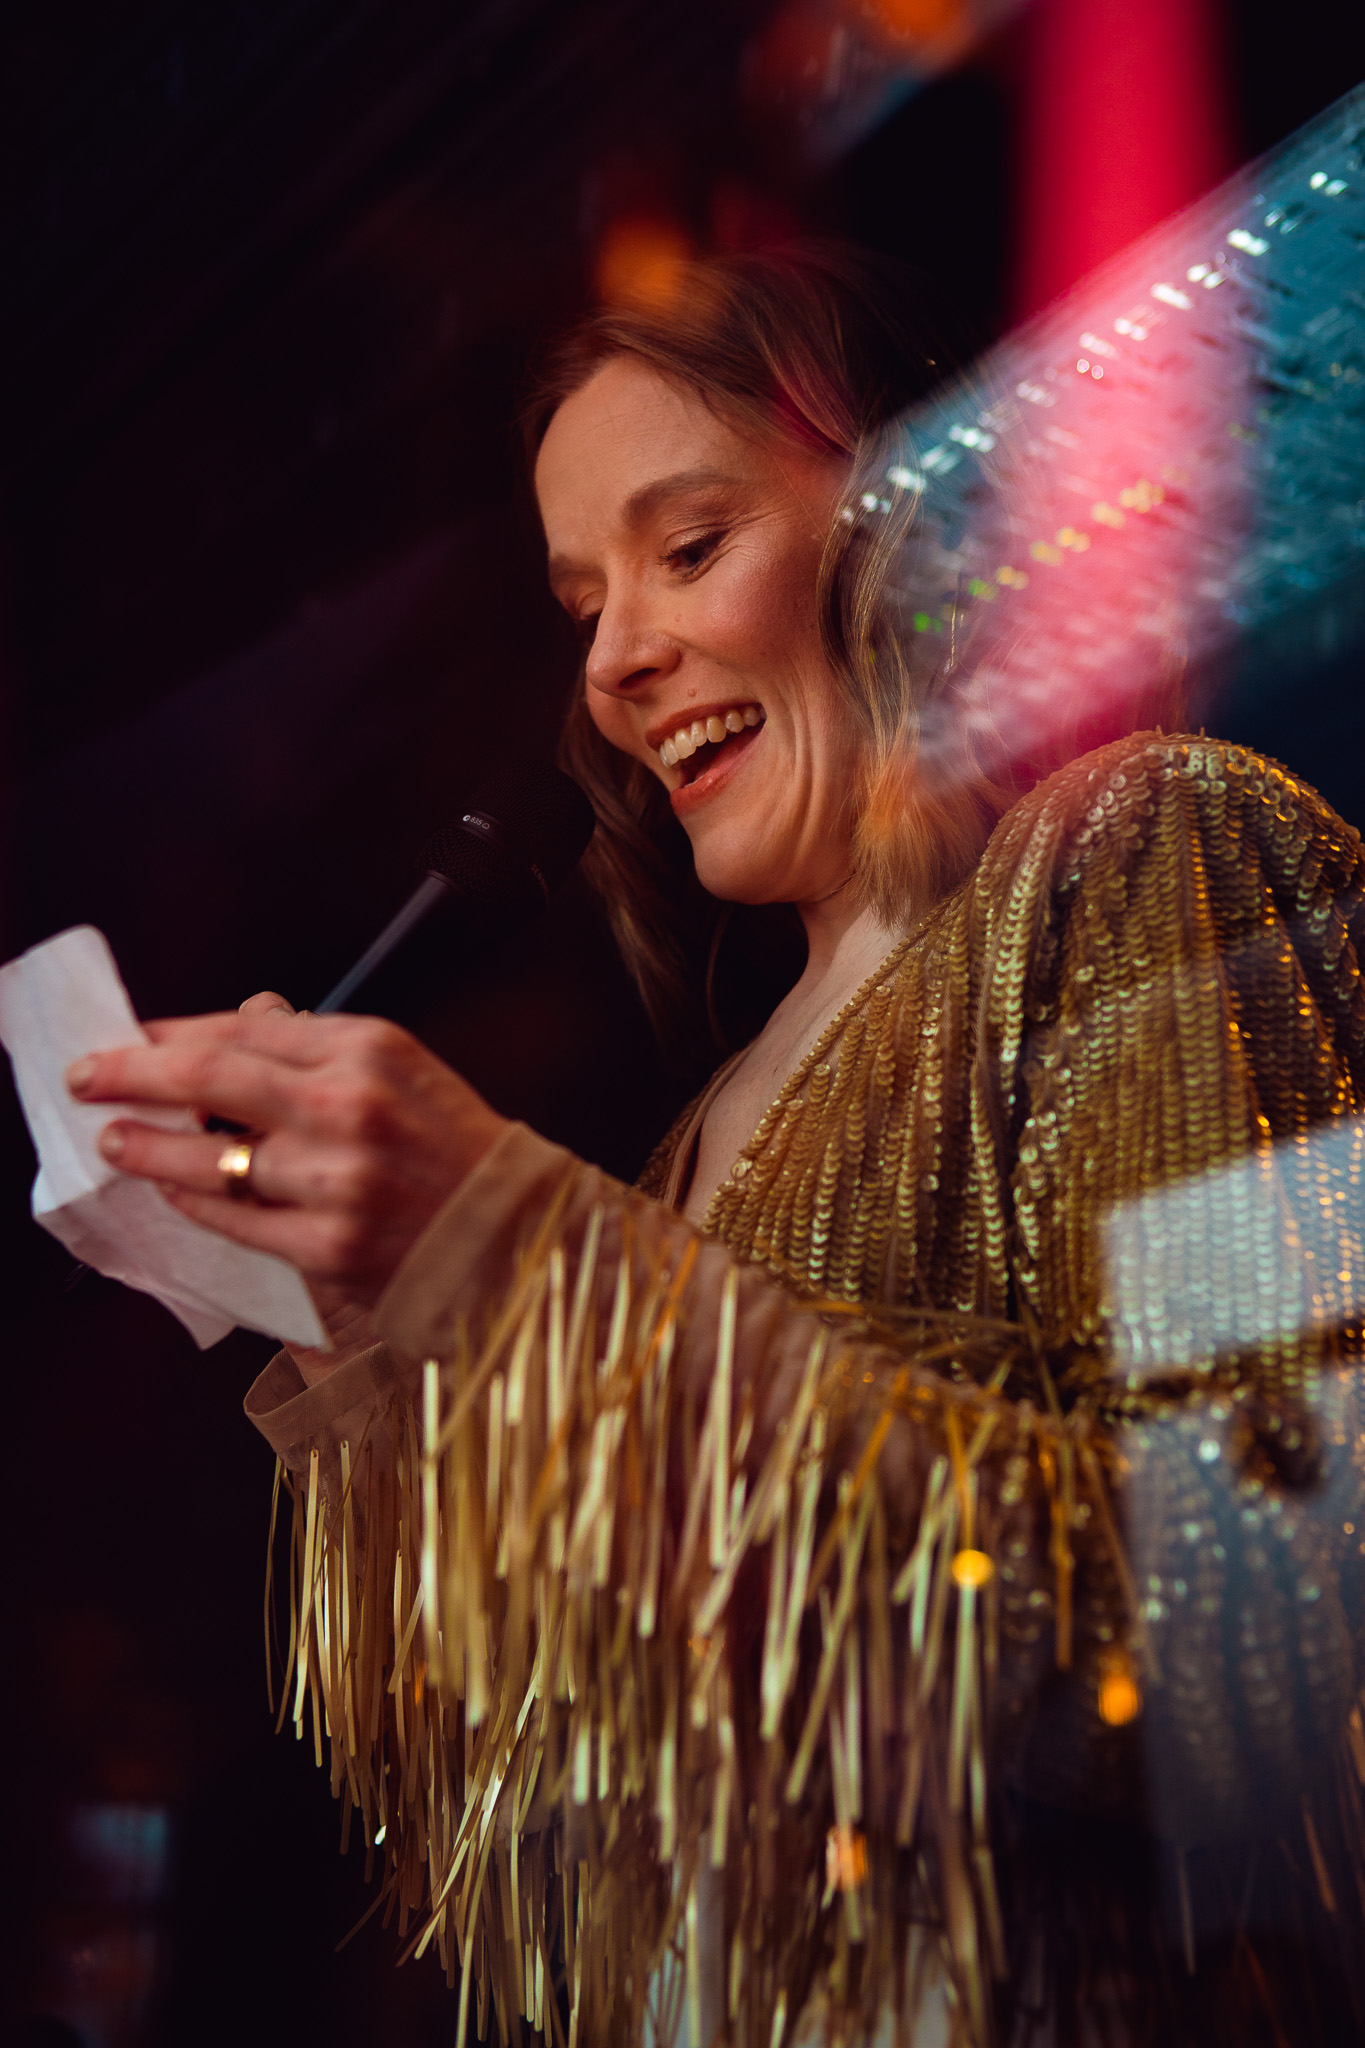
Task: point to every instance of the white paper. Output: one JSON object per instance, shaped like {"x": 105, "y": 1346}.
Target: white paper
{"x": 58, "y": 1002}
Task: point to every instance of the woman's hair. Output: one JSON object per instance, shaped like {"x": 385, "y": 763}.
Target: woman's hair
{"x": 823, "y": 346}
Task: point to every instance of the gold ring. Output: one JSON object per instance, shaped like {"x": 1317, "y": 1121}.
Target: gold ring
{"x": 234, "y": 1164}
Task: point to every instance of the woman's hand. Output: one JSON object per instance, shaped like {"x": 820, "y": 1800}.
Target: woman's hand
{"x": 363, "y": 1134}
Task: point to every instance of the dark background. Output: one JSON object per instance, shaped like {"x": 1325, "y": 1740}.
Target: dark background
{"x": 269, "y": 603}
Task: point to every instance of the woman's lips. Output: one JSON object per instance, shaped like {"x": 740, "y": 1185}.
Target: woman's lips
{"x": 716, "y": 773}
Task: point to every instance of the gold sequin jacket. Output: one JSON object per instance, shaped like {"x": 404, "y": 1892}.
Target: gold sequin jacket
{"x": 997, "y": 1443}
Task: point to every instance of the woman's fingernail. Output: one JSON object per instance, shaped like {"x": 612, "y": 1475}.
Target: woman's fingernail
{"x": 78, "y": 1074}
{"x": 112, "y": 1142}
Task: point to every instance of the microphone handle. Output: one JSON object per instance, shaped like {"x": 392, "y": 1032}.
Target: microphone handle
{"x": 432, "y": 890}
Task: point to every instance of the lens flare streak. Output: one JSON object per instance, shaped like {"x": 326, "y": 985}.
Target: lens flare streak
{"x": 1150, "y": 469}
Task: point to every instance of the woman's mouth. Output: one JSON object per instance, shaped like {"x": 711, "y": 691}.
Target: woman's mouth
{"x": 699, "y": 750}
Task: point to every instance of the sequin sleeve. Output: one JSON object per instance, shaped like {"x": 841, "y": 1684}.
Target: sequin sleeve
{"x": 1165, "y": 1122}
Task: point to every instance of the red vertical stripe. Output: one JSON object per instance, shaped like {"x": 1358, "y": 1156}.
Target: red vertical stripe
{"x": 1124, "y": 121}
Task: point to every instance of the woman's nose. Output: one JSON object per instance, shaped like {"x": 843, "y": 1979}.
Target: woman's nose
{"x": 628, "y": 651}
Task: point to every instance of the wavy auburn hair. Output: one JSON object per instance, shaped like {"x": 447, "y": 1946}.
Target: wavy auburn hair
{"x": 823, "y": 346}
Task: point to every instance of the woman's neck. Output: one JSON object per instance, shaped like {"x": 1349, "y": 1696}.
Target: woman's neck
{"x": 845, "y": 941}
{"x": 846, "y": 945}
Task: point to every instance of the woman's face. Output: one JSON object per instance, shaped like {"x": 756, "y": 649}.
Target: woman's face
{"x": 688, "y": 554}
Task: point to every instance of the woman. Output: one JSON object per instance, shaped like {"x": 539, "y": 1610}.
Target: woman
{"x": 873, "y": 1557}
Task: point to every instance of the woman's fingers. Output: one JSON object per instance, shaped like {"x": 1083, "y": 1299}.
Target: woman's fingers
{"x": 268, "y": 1026}
{"x": 218, "y": 1028}
{"x": 329, "y": 1244}
{"x": 219, "y": 1078}
{"x": 189, "y": 1162}
{"x": 331, "y": 1247}
{"x": 286, "y": 1169}
{"x": 301, "y": 1236}
{"x": 363, "y": 1133}
{"x": 264, "y": 1024}
{"x": 266, "y": 1002}
{"x": 207, "y": 1061}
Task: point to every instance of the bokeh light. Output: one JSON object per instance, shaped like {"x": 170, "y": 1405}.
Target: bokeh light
{"x": 972, "y": 1568}
{"x": 845, "y": 1858}
{"x": 1120, "y": 1700}
{"x": 640, "y": 262}
{"x": 916, "y": 20}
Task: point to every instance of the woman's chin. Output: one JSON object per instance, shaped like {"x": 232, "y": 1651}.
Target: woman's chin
{"x": 737, "y": 866}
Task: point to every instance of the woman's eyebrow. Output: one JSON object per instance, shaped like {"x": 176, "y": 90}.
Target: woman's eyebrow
{"x": 642, "y": 504}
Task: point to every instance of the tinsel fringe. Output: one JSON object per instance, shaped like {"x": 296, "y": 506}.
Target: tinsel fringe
{"x": 554, "y": 1689}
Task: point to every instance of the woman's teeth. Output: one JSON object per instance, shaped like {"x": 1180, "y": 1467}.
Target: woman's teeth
{"x": 707, "y": 732}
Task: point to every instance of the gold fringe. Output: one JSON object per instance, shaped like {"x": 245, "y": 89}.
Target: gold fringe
{"x": 543, "y": 1696}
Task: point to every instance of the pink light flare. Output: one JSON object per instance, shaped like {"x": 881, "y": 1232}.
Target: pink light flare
{"x": 1113, "y": 407}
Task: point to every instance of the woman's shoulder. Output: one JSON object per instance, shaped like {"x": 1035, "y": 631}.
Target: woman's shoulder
{"x": 1142, "y": 764}
{"x": 1154, "y": 790}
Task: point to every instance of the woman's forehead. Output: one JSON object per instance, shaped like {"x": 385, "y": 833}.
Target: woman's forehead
{"x": 628, "y": 423}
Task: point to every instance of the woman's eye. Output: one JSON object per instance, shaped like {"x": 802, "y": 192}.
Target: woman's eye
{"x": 691, "y": 554}
{"x": 586, "y": 628}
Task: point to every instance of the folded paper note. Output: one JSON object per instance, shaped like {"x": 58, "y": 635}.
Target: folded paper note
{"x": 64, "y": 999}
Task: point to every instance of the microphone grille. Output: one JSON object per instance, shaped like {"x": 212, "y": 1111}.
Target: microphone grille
{"x": 528, "y": 822}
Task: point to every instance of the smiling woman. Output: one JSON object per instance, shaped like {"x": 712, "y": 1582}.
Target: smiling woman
{"x": 784, "y": 1565}
{"x": 697, "y": 591}
{"x": 691, "y": 552}
{"x": 735, "y": 434}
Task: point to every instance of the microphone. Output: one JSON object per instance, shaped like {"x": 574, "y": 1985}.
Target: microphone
{"x": 522, "y": 834}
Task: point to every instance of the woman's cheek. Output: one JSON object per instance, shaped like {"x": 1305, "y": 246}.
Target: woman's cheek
{"x": 769, "y": 611}
{"x": 612, "y": 719}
